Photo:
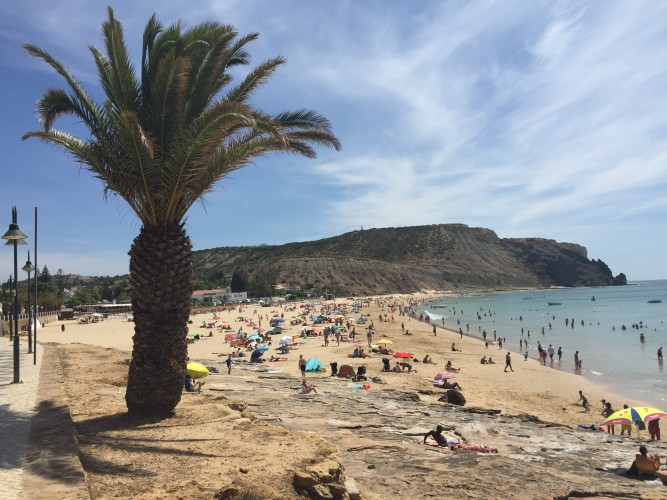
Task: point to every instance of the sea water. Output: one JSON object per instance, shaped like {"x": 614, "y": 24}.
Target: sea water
{"x": 610, "y": 355}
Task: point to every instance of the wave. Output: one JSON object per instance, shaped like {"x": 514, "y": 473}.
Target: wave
{"x": 435, "y": 317}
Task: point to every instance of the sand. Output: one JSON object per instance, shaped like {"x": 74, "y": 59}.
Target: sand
{"x": 542, "y": 391}
{"x": 255, "y": 427}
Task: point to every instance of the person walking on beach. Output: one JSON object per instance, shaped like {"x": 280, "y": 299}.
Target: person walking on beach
{"x": 435, "y": 332}
{"x": 228, "y": 362}
{"x": 584, "y": 402}
{"x": 659, "y": 352}
{"x": 560, "y": 353}
{"x": 551, "y": 353}
{"x": 302, "y": 366}
{"x": 508, "y": 362}
{"x": 576, "y": 360}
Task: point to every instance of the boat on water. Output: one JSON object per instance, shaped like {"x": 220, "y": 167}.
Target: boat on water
{"x": 554, "y": 303}
{"x": 655, "y": 301}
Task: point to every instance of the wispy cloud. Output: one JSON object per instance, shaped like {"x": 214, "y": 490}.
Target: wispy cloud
{"x": 530, "y": 118}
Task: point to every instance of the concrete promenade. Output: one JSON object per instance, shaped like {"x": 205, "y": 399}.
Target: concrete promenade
{"x": 17, "y": 407}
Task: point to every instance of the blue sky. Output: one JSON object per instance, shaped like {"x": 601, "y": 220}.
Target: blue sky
{"x": 541, "y": 118}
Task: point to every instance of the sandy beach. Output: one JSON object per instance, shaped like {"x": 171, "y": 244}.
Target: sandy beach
{"x": 252, "y": 429}
{"x": 547, "y": 393}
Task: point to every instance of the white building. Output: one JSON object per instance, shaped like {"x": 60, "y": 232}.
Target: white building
{"x": 219, "y": 296}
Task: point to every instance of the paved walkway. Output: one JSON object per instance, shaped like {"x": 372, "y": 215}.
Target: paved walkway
{"x": 17, "y": 406}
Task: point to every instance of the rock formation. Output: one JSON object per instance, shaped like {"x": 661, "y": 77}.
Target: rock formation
{"x": 409, "y": 259}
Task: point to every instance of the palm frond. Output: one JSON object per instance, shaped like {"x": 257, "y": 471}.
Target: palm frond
{"x": 163, "y": 142}
{"x": 91, "y": 112}
{"x": 255, "y": 78}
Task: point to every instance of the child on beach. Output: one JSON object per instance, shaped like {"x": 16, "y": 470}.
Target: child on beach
{"x": 584, "y": 402}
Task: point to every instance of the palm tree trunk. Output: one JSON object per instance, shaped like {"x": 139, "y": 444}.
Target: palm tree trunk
{"x": 160, "y": 273}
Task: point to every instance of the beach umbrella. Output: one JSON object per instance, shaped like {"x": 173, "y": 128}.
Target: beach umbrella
{"x": 257, "y": 353}
{"x": 444, "y": 376}
{"x": 631, "y": 415}
{"x": 404, "y": 355}
{"x": 216, "y": 317}
{"x": 385, "y": 341}
{"x": 196, "y": 370}
{"x": 263, "y": 348}
{"x": 254, "y": 336}
{"x": 285, "y": 341}
{"x": 359, "y": 344}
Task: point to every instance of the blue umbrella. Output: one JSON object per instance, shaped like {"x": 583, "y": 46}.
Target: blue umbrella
{"x": 257, "y": 353}
{"x": 262, "y": 348}
{"x": 254, "y": 336}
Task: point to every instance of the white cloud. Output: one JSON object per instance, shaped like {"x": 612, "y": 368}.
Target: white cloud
{"x": 542, "y": 118}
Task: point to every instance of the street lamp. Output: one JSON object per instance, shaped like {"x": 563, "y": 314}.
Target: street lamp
{"x": 15, "y": 237}
{"x": 11, "y": 319}
{"x": 28, "y": 268}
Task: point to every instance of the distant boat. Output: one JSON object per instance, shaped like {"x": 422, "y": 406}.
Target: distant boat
{"x": 553, "y": 303}
{"x": 593, "y": 298}
{"x": 527, "y": 298}
{"x": 655, "y": 301}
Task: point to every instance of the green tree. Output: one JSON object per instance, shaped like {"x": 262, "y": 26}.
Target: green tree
{"x": 160, "y": 141}
{"x": 239, "y": 281}
{"x": 45, "y": 275}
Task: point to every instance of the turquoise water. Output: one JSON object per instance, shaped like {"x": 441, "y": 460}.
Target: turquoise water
{"x": 610, "y": 355}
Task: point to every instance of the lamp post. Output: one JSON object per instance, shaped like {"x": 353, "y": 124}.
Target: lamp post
{"x": 28, "y": 268}
{"x": 15, "y": 237}
{"x": 11, "y": 322}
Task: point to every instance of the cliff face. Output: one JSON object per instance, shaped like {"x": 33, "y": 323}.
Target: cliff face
{"x": 408, "y": 259}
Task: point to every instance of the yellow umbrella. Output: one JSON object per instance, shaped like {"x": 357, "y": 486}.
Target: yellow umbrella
{"x": 631, "y": 415}
{"x": 196, "y": 370}
{"x": 385, "y": 341}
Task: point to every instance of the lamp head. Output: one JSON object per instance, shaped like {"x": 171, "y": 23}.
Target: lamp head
{"x": 14, "y": 233}
{"x": 10, "y": 243}
{"x": 28, "y": 268}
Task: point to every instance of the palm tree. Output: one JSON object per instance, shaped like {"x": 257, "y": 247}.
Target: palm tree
{"x": 161, "y": 142}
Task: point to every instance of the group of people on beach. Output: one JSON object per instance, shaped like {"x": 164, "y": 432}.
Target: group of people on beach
{"x": 653, "y": 426}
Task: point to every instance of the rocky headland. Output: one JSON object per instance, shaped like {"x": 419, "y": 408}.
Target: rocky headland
{"x": 411, "y": 259}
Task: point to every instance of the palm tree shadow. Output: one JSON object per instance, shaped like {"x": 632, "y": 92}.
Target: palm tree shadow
{"x": 102, "y": 432}
{"x": 13, "y": 424}
{"x": 52, "y": 446}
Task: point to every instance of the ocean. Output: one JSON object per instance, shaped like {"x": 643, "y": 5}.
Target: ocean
{"x": 610, "y": 355}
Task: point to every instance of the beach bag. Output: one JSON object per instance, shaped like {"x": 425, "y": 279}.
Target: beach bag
{"x": 455, "y": 397}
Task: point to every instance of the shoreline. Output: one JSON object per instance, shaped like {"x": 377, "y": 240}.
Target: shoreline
{"x": 599, "y": 371}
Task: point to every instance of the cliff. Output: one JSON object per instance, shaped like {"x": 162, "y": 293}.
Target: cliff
{"x": 409, "y": 259}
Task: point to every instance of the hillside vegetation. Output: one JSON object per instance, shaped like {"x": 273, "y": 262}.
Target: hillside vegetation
{"x": 410, "y": 259}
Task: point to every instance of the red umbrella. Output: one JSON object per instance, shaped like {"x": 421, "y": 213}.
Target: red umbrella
{"x": 359, "y": 344}
{"x": 405, "y": 355}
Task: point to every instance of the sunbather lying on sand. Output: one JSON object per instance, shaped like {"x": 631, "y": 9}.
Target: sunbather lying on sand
{"x": 482, "y": 448}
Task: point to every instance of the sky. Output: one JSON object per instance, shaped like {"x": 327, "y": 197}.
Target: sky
{"x": 531, "y": 118}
